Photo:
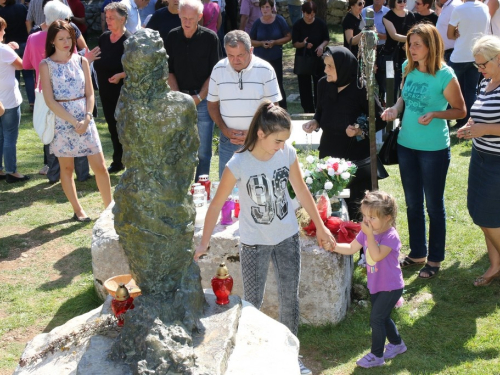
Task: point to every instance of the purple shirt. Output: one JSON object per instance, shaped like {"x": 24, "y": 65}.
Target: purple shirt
{"x": 252, "y": 10}
{"x": 385, "y": 275}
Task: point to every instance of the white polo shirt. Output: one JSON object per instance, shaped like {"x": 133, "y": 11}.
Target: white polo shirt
{"x": 240, "y": 93}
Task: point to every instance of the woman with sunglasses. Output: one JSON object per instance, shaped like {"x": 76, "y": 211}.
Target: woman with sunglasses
{"x": 352, "y": 24}
{"x": 484, "y": 171}
{"x": 424, "y": 13}
{"x": 424, "y": 143}
{"x": 397, "y": 22}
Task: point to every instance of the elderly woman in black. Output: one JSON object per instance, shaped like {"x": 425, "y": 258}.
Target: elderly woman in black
{"x": 110, "y": 73}
{"x": 340, "y": 103}
{"x": 310, "y": 37}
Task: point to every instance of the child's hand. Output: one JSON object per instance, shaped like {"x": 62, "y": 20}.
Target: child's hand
{"x": 200, "y": 251}
{"x": 325, "y": 239}
{"x": 367, "y": 228}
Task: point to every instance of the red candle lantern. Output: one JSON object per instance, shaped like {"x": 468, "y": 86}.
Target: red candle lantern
{"x": 121, "y": 303}
{"x": 222, "y": 284}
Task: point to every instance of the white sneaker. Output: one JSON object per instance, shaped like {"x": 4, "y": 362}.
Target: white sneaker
{"x": 44, "y": 170}
{"x": 303, "y": 369}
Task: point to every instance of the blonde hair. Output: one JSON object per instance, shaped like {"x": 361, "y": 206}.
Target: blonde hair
{"x": 381, "y": 204}
{"x": 432, "y": 40}
{"x": 488, "y": 46}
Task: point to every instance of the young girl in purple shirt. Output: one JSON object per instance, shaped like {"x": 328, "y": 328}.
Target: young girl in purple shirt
{"x": 381, "y": 245}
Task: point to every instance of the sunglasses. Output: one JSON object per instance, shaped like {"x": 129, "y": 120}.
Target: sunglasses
{"x": 483, "y": 65}
{"x": 401, "y": 1}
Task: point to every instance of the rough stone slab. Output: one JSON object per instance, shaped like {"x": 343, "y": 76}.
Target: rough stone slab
{"x": 214, "y": 345}
{"x": 108, "y": 257}
{"x": 257, "y": 341}
{"x": 263, "y": 346}
{"x": 302, "y": 140}
{"x": 59, "y": 362}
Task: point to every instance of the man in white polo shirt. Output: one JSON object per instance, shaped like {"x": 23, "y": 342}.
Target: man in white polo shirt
{"x": 238, "y": 84}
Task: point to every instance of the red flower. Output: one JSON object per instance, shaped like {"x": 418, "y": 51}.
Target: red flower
{"x": 335, "y": 167}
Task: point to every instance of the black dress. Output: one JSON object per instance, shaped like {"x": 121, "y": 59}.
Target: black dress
{"x": 316, "y": 33}
{"x": 350, "y": 22}
{"x": 107, "y": 66}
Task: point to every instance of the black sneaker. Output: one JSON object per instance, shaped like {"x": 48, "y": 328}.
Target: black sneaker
{"x": 11, "y": 179}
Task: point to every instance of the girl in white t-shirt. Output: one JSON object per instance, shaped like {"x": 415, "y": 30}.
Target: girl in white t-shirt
{"x": 268, "y": 226}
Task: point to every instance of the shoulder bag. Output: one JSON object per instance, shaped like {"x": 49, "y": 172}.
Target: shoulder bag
{"x": 389, "y": 152}
{"x": 305, "y": 64}
{"x": 44, "y": 120}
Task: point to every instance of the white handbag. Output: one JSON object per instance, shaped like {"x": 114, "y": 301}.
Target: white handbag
{"x": 44, "y": 120}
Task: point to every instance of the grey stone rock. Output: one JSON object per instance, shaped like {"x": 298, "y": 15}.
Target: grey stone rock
{"x": 108, "y": 257}
{"x": 360, "y": 291}
{"x": 235, "y": 339}
{"x": 154, "y": 216}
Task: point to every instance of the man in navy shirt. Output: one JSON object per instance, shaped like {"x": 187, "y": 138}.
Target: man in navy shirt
{"x": 165, "y": 19}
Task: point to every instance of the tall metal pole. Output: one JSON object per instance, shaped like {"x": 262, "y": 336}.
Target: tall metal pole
{"x": 367, "y": 57}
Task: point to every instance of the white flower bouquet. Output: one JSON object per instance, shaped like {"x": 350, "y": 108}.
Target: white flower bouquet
{"x": 329, "y": 174}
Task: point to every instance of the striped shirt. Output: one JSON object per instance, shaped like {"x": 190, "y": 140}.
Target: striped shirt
{"x": 486, "y": 110}
{"x": 240, "y": 93}
{"x": 35, "y": 11}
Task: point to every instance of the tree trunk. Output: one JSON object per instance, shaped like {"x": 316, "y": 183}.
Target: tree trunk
{"x": 321, "y": 13}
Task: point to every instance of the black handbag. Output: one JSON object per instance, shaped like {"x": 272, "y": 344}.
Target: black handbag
{"x": 364, "y": 169}
{"x": 389, "y": 152}
{"x": 305, "y": 64}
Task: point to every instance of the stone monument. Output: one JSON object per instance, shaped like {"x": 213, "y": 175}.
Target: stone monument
{"x": 154, "y": 216}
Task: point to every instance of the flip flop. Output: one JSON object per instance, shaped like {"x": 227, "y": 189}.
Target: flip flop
{"x": 407, "y": 262}
{"x": 430, "y": 270}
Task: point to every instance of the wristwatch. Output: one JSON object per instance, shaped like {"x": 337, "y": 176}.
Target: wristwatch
{"x": 90, "y": 115}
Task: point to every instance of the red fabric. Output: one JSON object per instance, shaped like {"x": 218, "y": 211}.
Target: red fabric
{"x": 343, "y": 231}
{"x": 78, "y": 10}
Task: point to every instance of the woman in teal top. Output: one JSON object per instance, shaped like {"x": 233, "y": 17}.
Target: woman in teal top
{"x": 424, "y": 142}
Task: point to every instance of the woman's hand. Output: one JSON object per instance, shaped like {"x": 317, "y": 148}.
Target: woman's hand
{"x": 81, "y": 127}
{"x": 319, "y": 51}
{"x": 352, "y": 131}
{"x": 200, "y": 251}
{"x": 93, "y": 55}
{"x": 469, "y": 130}
{"x": 310, "y": 126}
{"x": 13, "y": 45}
{"x": 116, "y": 78}
{"x": 307, "y": 45}
{"x": 390, "y": 114}
{"x": 426, "y": 119}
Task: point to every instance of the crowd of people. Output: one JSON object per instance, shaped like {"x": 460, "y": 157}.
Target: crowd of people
{"x": 234, "y": 74}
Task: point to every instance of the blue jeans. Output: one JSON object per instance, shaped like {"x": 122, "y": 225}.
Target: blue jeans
{"x": 226, "y": 151}
{"x": 286, "y": 261}
{"x": 380, "y": 320}
{"x": 423, "y": 173}
{"x": 9, "y": 131}
{"x": 205, "y": 132}
{"x": 468, "y": 78}
{"x": 295, "y": 12}
{"x": 28, "y": 75}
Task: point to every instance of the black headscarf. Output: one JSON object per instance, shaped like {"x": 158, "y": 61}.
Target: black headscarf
{"x": 346, "y": 66}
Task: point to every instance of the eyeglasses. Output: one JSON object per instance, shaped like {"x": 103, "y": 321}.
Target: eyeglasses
{"x": 401, "y": 1}
{"x": 483, "y": 65}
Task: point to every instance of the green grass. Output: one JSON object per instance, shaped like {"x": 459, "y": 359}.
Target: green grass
{"x": 449, "y": 326}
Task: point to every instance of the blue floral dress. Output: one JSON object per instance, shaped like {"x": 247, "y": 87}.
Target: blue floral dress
{"x": 68, "y": 82}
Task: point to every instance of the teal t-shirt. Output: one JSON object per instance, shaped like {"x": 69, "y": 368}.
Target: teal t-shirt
{"x": 423, "y": 93}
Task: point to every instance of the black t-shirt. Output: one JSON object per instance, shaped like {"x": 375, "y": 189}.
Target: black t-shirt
{"x": 110, "y": 62}
{"x": 316, "y": 33}
{"x": 402, "y": 26}
{"x": 163, "y": 21}
{"x": 15, "y": 16}
{"x": 350, "y": 22}
{"x": 334, "y": 116}
{"x": 192, "y": 59}
{"x": 430, "y": 18}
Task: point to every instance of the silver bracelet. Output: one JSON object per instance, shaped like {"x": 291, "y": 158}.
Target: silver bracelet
{"x": 199, "y": 97}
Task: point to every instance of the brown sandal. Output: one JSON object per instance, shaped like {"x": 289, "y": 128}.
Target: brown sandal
{"x": 485, "y": 281}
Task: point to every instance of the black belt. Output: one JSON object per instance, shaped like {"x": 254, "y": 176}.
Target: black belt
{"x": 190, "y": 92}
